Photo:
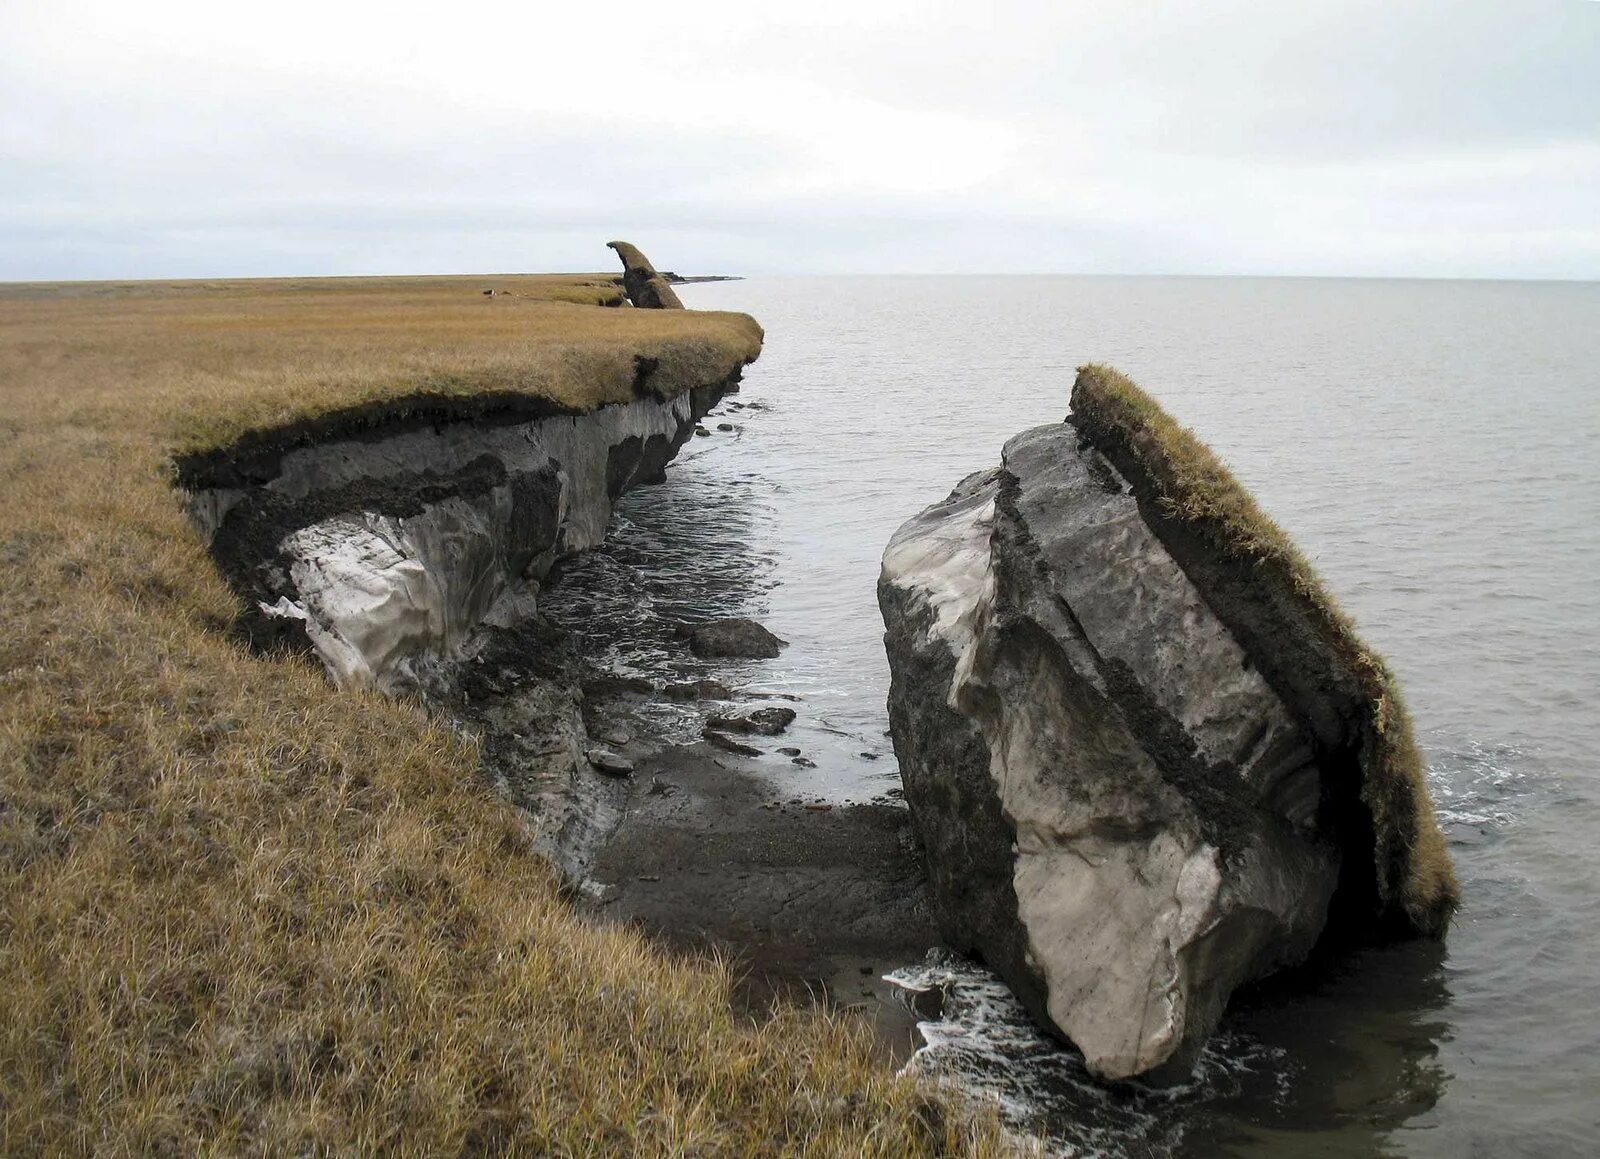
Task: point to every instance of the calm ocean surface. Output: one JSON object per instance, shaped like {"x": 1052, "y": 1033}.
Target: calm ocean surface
{"x": 1433, "y": 448}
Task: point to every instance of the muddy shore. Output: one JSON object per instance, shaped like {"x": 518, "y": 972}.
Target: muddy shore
{"x": 419, "y": 557}
{"x": 812, "y": 900}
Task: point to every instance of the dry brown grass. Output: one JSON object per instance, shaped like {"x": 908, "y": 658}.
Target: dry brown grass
{"x": 204, "y": 362}
{"x": 1198, "y": 489}
{"x": 241, "y": 911}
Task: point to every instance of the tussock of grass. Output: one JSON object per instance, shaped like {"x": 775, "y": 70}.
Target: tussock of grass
{"x": 242, "y": 911}
{"x": 1413, "y": 866}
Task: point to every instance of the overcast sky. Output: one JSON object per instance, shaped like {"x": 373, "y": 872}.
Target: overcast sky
{"x": 1392, "y": 137}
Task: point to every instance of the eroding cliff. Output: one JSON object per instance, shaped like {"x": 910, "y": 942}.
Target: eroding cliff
{"x": 406, "y": 551}
{"x": 646, "y": 287}
{"x": 1130, "y": 804}
{"x": 388, "y": 548}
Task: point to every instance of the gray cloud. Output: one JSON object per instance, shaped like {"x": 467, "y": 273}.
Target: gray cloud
{"x": 1456, "y": 138}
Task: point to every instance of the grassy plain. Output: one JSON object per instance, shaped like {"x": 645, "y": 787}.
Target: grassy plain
{"x": 241, "y": 911}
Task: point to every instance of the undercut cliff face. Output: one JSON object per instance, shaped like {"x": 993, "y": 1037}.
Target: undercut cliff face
{"x": 645, "y": 286}
{"x": 388, "y": 548}
{"x": 405, "y": 547}
{"x": 1140, "y": 777}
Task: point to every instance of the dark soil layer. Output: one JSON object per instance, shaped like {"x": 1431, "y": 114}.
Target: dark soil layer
{"x": 255, "y": 457}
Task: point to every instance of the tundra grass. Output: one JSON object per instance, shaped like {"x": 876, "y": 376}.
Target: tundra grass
{"x": 242, "y": 911}
{"x": 1198, "y": 489}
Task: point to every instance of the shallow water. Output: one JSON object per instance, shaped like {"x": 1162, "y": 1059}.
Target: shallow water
{"x": 1430, "y": 445}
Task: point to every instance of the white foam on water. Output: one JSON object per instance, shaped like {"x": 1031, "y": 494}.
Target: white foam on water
{"x": 1478, "y": 785}
{"x": 984, "y": 1043}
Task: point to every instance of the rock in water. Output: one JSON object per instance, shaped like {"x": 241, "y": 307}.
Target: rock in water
{"x": 644, "y": 286}
{"x": 1148, "y": 758}
{"x": 704, "y": 689}
{"x": 763, "y": 721}
{"x": 736, "y": 637}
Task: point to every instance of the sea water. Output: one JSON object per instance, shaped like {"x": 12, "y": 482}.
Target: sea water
{"x": 1431, "y": 446}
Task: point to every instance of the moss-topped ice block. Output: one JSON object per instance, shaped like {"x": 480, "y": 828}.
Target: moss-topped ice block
{"x": 1148, "y": 757}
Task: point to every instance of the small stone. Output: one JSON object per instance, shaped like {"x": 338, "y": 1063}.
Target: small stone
{"x": 727, "y": 744}
{"x": 823, "y": 808}
{"x": 734, "y": 637}
{"x": 790, "y": 752}
{"x": 804, "y": 762}
{"x": 724, "y": 426}
{"x": 609, "y": 762}
{"x": 768, "y": 721}
{"x": 868, "y": 756}
{"x": 611, "y": 683}
{"x": 702, "y": 432}
{"x": 699, "y": 690}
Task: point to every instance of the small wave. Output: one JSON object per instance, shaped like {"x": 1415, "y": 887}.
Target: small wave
{"x": 1478, "y": 788}
{"x": 983, "y": 1042}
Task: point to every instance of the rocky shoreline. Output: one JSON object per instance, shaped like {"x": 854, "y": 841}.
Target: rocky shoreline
{"x": 1129, "y": 794}
{"x": 699, "y": 843}
{"x": 410, "y": 555}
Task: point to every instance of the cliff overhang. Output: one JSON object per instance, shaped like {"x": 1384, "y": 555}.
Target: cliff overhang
{"x": 384, "y": 536}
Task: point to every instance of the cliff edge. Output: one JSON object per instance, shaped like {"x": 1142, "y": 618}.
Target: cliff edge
{"x": 247, "y": 911}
